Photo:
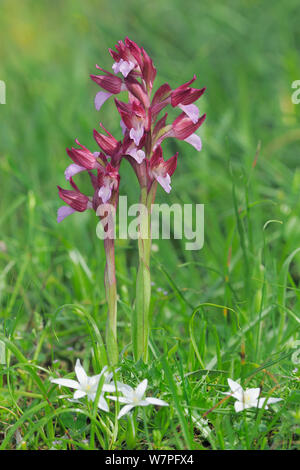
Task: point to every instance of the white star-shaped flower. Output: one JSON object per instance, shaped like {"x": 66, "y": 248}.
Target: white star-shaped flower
{"x": 134, "y": 397}
{"x": 87, "y": 386}
{"x": 248, "y": 398}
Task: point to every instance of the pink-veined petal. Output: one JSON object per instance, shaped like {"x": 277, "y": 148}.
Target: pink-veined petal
{"x": 138, "y": 155}
{"x": 63, "y": 212}
{"x": 164, "y": 181}
{"x": 136, "y": 134}
{"x": 195, "y": 141}
{"x": 100, "y": 98}
{"x": 105, "y": 193}
{"x": 123, "y": 66}
{"x": 191, "y": 110}
{"x": 123, "y": 127}
{"x": 72, "y": 170}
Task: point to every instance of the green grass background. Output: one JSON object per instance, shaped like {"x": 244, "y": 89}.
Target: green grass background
{"x": 247, "y": 55}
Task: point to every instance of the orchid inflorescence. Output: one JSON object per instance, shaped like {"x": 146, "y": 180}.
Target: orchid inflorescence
{"x": 143, "y": 133}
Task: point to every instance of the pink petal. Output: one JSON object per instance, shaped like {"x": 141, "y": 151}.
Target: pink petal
{"x": 138, "y": 155}
{"x": 164, "y": 181}
{"x": 195, "y": 141}
{"x": 100, "y": 98}
{"x": 72, "y": 170}
{"x": 63, "y": 212}
{"x": 191, "y": 110}
{"x": 123, "y": 127}
{"x": 136, "y": 134}
{"x": 123, "y": 66}
{"x": 105, "y": 193}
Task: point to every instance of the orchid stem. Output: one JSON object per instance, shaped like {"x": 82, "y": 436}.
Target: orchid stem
{"x": 140, "y": 323}
{"x": 111, "y": 297}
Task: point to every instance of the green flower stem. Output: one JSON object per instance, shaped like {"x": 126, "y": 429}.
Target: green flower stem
{"x": 140, "y": 321}
{"x": 111, "y": 297}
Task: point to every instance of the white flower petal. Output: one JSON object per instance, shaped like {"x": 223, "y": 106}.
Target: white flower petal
{"x": 251, "y": 395}
{"x": 80, "y": 373}
{"x": 125, "y": 389}
{"x": 109, "y": 388}
{"x": 94, "y": 380}
{"x": 66, "y": 383}
{"x": 239, "y": 406}
{"x": 141, "y": 388}
{"x": 271, "y": 400}
{"x": 143, "y": 403}
{"x": 125, "y": 410}
{"x": 79, "y": 394}
{"x": 102, "y": 404}
{"x": 261, "y": 402}
{"x": 120, "y": 399}
{"x": 236, "y": 389}
{"x": 156, "y": 401}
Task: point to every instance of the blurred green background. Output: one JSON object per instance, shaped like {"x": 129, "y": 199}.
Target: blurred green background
{"x": 247, "y": 55}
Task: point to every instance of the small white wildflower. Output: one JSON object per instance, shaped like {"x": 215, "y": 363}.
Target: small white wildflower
{"x": 88, "y": 385}
{"x": 134, "y": 397}
{"x": 248, "y": 398}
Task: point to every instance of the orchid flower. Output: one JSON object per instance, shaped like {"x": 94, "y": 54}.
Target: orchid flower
{"x": 162, "y": 170}
{"x": 135, "y": 397}
{"x": 77, "y": 202}
{"x": 248, "y": 398}
{"x": 143, "y": 132}
{"x": 87, "y": 386}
